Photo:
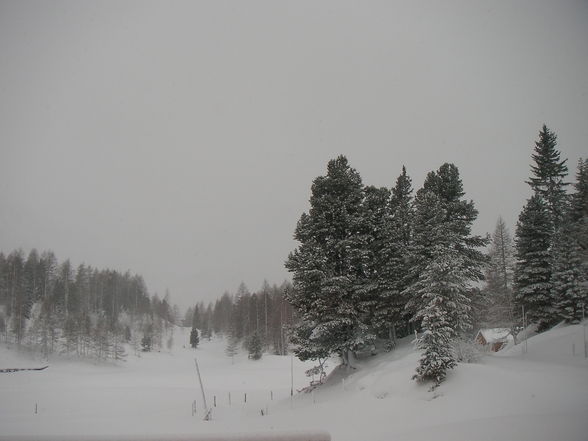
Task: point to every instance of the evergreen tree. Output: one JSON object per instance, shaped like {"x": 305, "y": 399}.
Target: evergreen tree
{"x": 443, "y": 192}
{"x": 232, "y": 345}
{"x": 48, "y": 267}
{"x": 549, "y": 172}
{"x": 266, "y": 305}
{"x": 102, "y": 341}
{"x": 32, "y": 281}
{"x": 570, "y": 286}
{"x": 307, "y": 345}
{"x": 196, "y": 318}
{"x": 72, "y": 335}
{"x": 240, "y": 315}
{"x": 147, "y": 342}
{"x": 188, "y": 317}
{"x": 254, "y": 346}
{"x": 579, "y": 210}
{"x": 460, "y": 215}
{"x": 18, "y": 304}
{"x": 328, "y": 266}
{"x": 444, "y": 261}
{"x": 376, "y": 230}
{"x": 194, "y": 338}
{"x": 393, "y": 252}
{"x": 118, "y": 350}
{"x": 570, "y": 254}
{"x": 439, "y": 295}
{"x": 207, "y": 326}
{"x": 443, "y": 315}
{"x": 63, "y": 288}
{"x": 533, "y": 268}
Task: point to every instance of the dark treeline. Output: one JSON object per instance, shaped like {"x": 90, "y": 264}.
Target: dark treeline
{"x": 257, "y": 320}
{"x": 50, "y": 306}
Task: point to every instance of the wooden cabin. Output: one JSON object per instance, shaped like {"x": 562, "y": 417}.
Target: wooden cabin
{"x": 493, "y": 339}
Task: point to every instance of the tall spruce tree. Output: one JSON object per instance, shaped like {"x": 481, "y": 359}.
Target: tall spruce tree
{"x": 254, "y": 346}
{"x": 393, "y": 254}
{"x": 533, "y": 268}
{"x": 194, "y": 334}
{"x": 460, "y": 215}
{"x": 579, "y": 209}
{"x": 549, "y": 172}
{"x": 194, "y": 338}
{"x": 438, "y": 297}
{"x": 376, "y": 231}
{"x": 328, "y": 266}
{"x": 569, "y": 283}
{"x": 570, "y": 253}
{"x": 458, "y": 218}
{"x": 444, "y": 261}
{"x": 539, "y": 228}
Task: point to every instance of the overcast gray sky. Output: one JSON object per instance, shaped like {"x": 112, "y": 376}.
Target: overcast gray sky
{"x": 180, "y": 139}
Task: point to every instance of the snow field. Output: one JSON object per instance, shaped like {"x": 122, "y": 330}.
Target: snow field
{"x": 152, "y": 393}
{"x": 539, "y": 395}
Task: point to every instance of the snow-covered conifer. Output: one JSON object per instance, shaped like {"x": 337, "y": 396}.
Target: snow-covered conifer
{"x": 375, "y": 285}
{"x": 549, "y": 172}
{"x": 570, "y": 253}
{"x": 444, "y": 260}
{"x": 194, "y": 338}
{"x": 328, "y": 266}
{"x": 460, "y": 215}
{"x": 232, "y": 345}
{"x": 533, "y": 268}
{"x": 579, "y": 211}
{"x": 570, "y": 287}
{"x": 393, "y": 255}
{"x": 443, "y": 314}
{"x": 254, "y": 346}
{"x": 438, "y": 297}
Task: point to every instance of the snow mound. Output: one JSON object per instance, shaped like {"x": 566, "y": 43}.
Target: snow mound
{"x": 562, "y": 344}
{"x": 541, "y": 395}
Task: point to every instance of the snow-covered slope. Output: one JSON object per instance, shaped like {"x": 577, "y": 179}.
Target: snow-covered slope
{"x": 540, "y": 395}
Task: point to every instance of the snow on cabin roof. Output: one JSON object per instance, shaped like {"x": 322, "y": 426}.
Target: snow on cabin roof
{"x": 495, "y": 335}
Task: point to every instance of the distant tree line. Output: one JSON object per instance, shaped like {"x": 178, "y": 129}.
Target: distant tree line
{"x": 259, "y": 321}
{"x": 50, "y": 307}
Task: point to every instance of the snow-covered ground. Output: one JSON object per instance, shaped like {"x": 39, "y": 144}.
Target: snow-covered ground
{"x": 540, "y": 395}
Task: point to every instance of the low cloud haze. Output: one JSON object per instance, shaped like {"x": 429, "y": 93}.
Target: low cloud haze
{"x": 180, "y": 139}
